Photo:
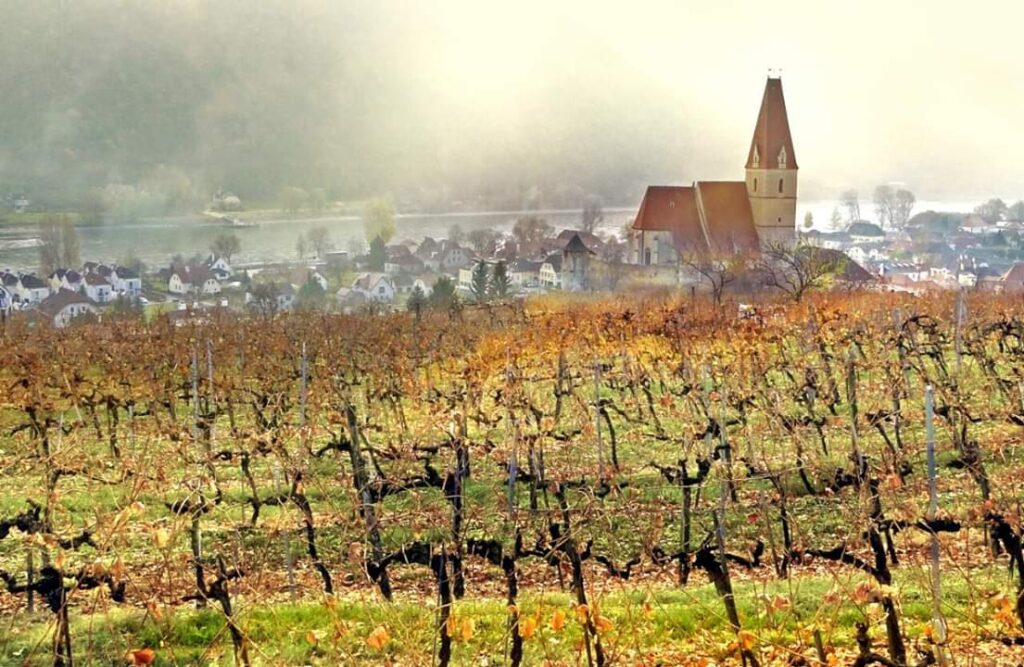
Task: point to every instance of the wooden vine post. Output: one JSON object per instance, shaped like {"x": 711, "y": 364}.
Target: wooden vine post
{"x": 938, "y": 620}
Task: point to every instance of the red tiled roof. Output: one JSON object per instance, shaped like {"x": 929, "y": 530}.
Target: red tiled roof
{"x": 1015, "y": 274}
{"x": 772, "y": 130}
{"x": 671, "y": 209}
{"x": 728, "y": 217}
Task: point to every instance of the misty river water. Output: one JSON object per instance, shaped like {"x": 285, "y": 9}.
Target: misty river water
{"x": 156, "y": 241}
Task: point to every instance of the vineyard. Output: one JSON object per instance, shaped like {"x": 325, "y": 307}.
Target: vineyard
{"x": 652, "y": 481}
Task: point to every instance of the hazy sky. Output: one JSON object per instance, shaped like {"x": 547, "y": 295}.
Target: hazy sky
{"x": 926, "y": 93}
{"x": 444, "y": 100}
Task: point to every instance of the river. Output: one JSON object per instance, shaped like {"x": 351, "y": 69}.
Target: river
{"x": 155, "y": 241}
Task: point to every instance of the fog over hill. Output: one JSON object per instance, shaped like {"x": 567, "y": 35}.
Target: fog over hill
{"x": 438, "y": 103}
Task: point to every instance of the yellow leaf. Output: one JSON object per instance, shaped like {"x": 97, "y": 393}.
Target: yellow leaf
{"x": 558, "y": 620}
{"x": 603, "y": 624}
{"x": 468, "y": 626}
{"x": 451, "y": 625}
{"x": 378, "y": 638}
{"x": 746, "y": 639}
{"x": 161, "y": 538}
{"x": 311, "y": 638}
{"x": 527, "y": 627}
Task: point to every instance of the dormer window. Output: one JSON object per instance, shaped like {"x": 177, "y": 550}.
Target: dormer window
{"x": 756, "y": 159}
{"x": 782, "y": 158}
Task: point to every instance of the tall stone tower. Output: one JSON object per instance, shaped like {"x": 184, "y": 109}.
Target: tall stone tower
{"x": 771, "y": 169}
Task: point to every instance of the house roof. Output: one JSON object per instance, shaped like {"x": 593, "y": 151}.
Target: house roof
{"x": 525, "y": 265}
{"x": 29, "y": 281}
{"x": 1015, "y": 274}
{"x": 771, "y": 134}
{"x": 852, "y": 271}
{"x": 367, "y": 281}
{"x": 56, "y": 302}
{"x": 592, "y": 241}
{"x": 555, "y": 260}
{"x": 8, "y": 279}
{"x": 73, "y": 277}
{"x": 576, "y": 246}
{"x": 864, "y": 228}
{"x": 125, "y": 274}
{"x": 728, "y": 217}
{"x": 96, "y": 280}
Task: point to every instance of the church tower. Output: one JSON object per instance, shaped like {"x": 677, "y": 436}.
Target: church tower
{"x": 771, "y": 169}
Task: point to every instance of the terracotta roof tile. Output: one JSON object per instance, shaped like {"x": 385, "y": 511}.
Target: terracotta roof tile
{"x": 772, "y": 130}
{"x": 672, "y": 209}
{"x": 728, "y": 216}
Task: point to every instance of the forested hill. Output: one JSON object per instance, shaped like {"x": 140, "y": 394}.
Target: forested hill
{"x": 181, "y": 97}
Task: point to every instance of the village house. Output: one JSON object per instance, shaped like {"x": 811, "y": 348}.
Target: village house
{"x": 550, "y": 274}
{"x": 375, "y": 287}
{"x": 126, "y": 282}
{"x": 192, "y": 279}
{"x": 443, "y": 256}
{"x": 72, "y": 280}
{"x": 63, "y": 306}
{"x": 726, "y": 216}
{"x": 30, "y": 289}
{"x": 6, "y": 302}
{"x": 403, "y": 284}
{"x": 98, "y": 288}
{"x": 219, "y": 267}
{"x": 271, "y": 297}
{"x": 525, "y": 273}
{"x": 405, "y": 263}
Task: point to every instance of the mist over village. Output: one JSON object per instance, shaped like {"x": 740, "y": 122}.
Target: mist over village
{"x": 546, "y": 333}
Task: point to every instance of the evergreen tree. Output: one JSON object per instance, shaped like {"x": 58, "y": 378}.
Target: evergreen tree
{"x": 481, "y": 282}
{"x": 417, "y": 301}
{"x": 378, "y": 254}
{"x": 500, "y": 281}
{"x": 443, "y": 294}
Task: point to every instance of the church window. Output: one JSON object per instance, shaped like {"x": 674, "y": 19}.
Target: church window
{"x": 782, "y": 158}
{"x": 756, "y": 159}
{"x": 755, "y": 185}
{"x": 780, "y": 186}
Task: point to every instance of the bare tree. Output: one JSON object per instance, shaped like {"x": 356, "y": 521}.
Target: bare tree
{"x": 904, "y": 205}
{"x": 797, "y": 269}
{"x": 593, "y": 214}
{"x": 849, "y": 200}
{"x": 484, "y": 241}
{"x": 225, "y": 245}
{"x": 69, "y": 240}
{"x": 717, "y": 270}
{"x": 885, "y": 202}
{"x": 893, "y": 206}
{"x": 319, "y": 241}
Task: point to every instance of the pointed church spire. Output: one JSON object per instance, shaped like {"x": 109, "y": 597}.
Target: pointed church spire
{"x": 772, "y": 145}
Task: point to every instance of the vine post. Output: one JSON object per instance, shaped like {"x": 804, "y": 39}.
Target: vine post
{"x": 938, "y": 620}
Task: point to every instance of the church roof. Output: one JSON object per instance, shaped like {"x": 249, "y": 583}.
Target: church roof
{"x": 670, "y": 209}
{"x": 728, "y": 218}
{"x": 771, "y": 134}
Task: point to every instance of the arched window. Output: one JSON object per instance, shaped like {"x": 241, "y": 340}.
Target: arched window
{"x": 780, "y": 186}
{"x": 755, "y": 185}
